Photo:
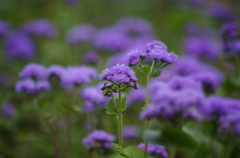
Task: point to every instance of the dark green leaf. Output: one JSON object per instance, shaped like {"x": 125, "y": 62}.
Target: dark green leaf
{"x": 156, "y": 74}
{"x": 110, "y": 108}
{"x": 135, "y": 152}
{"x": 146, "y": 68}
{"x": 118, "y": 155}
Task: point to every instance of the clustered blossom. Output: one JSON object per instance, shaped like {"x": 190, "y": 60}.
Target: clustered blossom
{"x": 8, "y": 110}
{"x": 40, "y": 27}
{"x": 210, "y": 77}
{"x": 80, "y": 33}
{"x": 93, "y": 98}
{"x": 181, "y": 96}
{"x": 155, "y": 150}
{"x": 4, "y": 28}
{"x": 225, "y": 111}
{"x": 91, "y": 58}
{"x": 98, "y": 139}
{"x": 154, "y": 50}
{"x": 33, "y": 70}
{"x": 19, "y": 45}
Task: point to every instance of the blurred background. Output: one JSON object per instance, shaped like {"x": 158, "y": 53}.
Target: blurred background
{"x": 99, "y": 34}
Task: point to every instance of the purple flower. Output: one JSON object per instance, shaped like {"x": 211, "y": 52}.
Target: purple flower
{"x": 111, "y": 39}
{"x": 40, "y": 27}
{"x": 136, "y": 96}
{"x": 91, "y": 58}
{"x": 33, "y": 70}
{"x": 43, "y": 85}
{"x": 119, "y": 74}
{"x": 80, "y": 33}
{"x": 155, "y": 149}
{"x": 75, "y": 75}
{"x": 4, "y": 28}
{"x": 202, "y": 47}
{"x": 221, "y": 11}
{"x": 135, "y": 56}
{"x": 55, "y": 71}
{"x": 8, "y": 110}
{"x": 130, "y": 132}
{"x": 229, "y": 30}
{"x": 19, "y": 45}
{"x": 98, "y": 139}
{"x": 25, "y": 86}
{"x": 93, "y": 98}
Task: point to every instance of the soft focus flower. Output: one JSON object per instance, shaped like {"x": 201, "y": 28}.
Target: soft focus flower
{"x": 55, "y": 72}
{"x": 98, "y": 139}
{"x": 135, "y": 56}
{"x": 181, "y": 96}
{"x": 91, "y": 58}
{"x": 71, "y": 1}
{"x": 202, "y": 47}
{"x": 19, "y": 45}
{"x": 4, "y": 28}
{"x": 43, "y": 85}
{"x": 136, "y": 96}
{"x": 80, "y": 33}
{"x": 155, "y": 149}
{"x": 230, "y": 30}
{"x": 93, "y": 98}
{"x": 33, "y": 70}
{"x": 40, "y": 27}
{"x": 76, "y": 75}
{"x": 130, "y": 132}
{"x": 25, "y": 86}
{"x": 8, "y": 110}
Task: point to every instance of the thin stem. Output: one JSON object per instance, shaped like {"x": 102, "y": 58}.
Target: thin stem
{"x": 120, "y": 119}
{"x": 68, "y": 136}
{"x": 147, "y": 121}
{"x": 50, "y": 127}
{"x": 115, "y": 106}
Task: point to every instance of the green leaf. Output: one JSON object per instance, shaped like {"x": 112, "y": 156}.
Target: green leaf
{"x": 146, "y": 68}
{"x": 135, "y": 152}
{"x": 156, "y": 74}
{"x": 110, "y": 109}
{"x": 119, "y": 155}
{"x": 172, "y": 137}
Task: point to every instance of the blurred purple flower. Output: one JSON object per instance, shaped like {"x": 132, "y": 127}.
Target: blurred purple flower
{"x": 230, "y": 30}
{"x": 155, "y": 149}
{"x": 19, "y": 45}
{"x": 136, "y": 96}
{"x": 42, "y": 85}
{"x": 91, "y": 58}
{"x": 33, "y": 70}
{"x": 130, "y": 132}
{"x": 4, "y": 28}
{"x": 71, "y": 1}
{"x": 98, "y": 139}
{"x": 221, "y": 11}
{"x": 8, "y": 110}
{"x": 25, "y": 86}
{"x": 40, "y": 27}
{"x": 55, "y": 71}
{"x": 93, "y": 98}
{"x": 202, "y": 47}
{"x": 81, "y": 33}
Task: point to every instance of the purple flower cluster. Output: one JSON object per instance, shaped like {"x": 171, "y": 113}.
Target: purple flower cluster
{"x": 19, "y": 45}
{"x": 130, "y": 132}
{"x": 155, "y": 149}
{"x": 210, "y": 77}
{"x": 119, "y": 74}
{"x": 181, "y": 96}
{"x": 81, "y": 33}
{"x": 154, "y": 50}
{"x": 225, "y": 111}
{"x": 93, "y": 98}
{"x": 8, "y": 110}
{"x": 98, "y": 139}
{"x": 40, "y": 27}
{"x": 202, "y": 46}
{"x": 4, "y": 28}
{"x": 91, "y": 58}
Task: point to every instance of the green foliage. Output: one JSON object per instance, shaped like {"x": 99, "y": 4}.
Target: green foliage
{"x": 172, "y": 137}
{"x": 110, "y": 107}
{"x": 146, "y": 68}
{"x": 156, "y": 74}
{"x": 129, "y": 152}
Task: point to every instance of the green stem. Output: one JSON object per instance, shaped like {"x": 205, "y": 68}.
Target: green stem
{"x": 120, "y": 119}
{"x": 147, "y": 121}
{"x": 68, "y": 136}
